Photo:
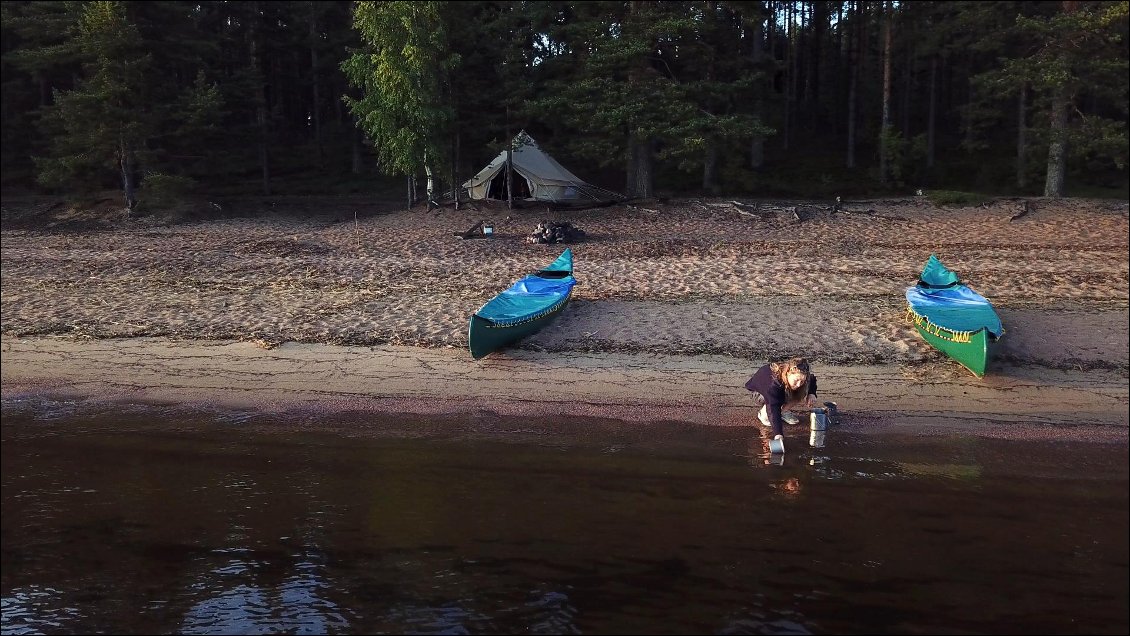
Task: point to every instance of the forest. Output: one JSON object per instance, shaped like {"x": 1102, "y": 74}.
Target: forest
{"x": 161, "y": 100}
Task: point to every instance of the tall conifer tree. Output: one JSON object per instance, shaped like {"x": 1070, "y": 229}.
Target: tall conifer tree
{"x": 103, "y": 123}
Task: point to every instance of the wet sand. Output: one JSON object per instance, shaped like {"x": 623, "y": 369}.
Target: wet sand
{"x": 1015, "y": 402}
{"x": 678, "y": 303}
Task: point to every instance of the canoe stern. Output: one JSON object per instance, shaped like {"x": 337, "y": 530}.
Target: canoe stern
{"x": 968, "y": 348}
{"x": 484, "y": 336}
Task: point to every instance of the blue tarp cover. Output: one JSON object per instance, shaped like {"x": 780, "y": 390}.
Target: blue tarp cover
{"x": 956, "y": 308}
{"x": 532, "y": 295}
{"x": 935, "y": 274}
{"x": 526, "y": 298}
{"x": 564, "y": 263}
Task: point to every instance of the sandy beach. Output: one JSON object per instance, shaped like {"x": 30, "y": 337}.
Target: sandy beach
{"x": 350, "y": 304}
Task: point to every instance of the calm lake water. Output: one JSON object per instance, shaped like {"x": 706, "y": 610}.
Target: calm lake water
{"x": 152, "y": 519}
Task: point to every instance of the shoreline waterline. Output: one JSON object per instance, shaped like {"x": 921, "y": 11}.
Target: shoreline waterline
{"x": 1015, "y": 402}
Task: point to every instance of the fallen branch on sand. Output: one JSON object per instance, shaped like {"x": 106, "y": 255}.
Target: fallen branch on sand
{"x": 1026, "y": 210}
{"x": 642, "y": 209}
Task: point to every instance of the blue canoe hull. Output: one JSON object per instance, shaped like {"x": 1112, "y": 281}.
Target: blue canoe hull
{"x": 485, "y": 337}
{"x": 522, "y": 310}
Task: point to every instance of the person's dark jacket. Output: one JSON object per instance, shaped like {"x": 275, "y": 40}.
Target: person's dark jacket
{"x": 772, "y": 392}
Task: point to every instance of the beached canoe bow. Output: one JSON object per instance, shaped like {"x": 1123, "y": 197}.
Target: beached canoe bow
{"x": 525, "y": 307}
{"x": 953, "y": 318}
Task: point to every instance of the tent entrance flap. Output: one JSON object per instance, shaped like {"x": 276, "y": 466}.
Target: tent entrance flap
{"x": 496, "y": 187}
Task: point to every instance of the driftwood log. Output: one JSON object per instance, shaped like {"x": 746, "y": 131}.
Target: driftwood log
{"x": 475, "y": 231}
{"x": 1027, "y": 208}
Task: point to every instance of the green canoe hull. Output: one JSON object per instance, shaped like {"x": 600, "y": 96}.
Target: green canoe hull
{"x": 973, "y": 355}
{"x": 484, "y": 336}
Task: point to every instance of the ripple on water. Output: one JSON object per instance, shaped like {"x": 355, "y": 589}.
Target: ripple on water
{"x": 36, "y": 609}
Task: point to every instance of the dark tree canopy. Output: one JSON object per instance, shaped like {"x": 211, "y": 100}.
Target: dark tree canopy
{"x": 776, "y": 97}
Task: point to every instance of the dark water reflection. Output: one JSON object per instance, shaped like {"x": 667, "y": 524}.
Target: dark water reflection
{"x": 153, "y": 520}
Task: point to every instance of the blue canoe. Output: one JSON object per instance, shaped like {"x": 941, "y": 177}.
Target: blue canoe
{"x": 522, "y": 309}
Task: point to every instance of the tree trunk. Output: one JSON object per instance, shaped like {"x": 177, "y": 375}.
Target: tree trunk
{"x": 1021, "y": 142}
{"x": 856, "y": 59}
{"x": 820, "y": 20}
{"x": 630, "y": 167}
{"x": 429, "y": 183}
{"x": 885, "y": 130}
{"x": 317, "y": 102}
{"x": 967, "y": 117}
{"x": 710, "y": 167}
{"x": 260, "y": 97}
{"x": 790, "y": 77}
{"x": 358, "y": 144}
{"x": 757, "y": 153}
{"x": 129, "y": 188}
{"x": 510, "y": 175}
{"x": 840, "y": 54}
{"x": 757, "y": 145}
{"x": 639, "y": 149}
{"x": 907, "y": 87}
{"x": 455, "y": 169}
{"x": 642, "y": 169}
{"x": 806, "y": 34}
{"x": 932, "y": 112}
{"x": 841, "y": 41}
{"x": 509, "y": 163}
{"x": 264, "y": 154}
{"x": 771, "y": 35}
{"x": 710, "y": 155}
{"x": 431, "y": 191}
{"x": 1057, "y": 150}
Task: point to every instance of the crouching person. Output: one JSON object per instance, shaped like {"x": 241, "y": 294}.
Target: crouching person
{"x": 781, "y": 386}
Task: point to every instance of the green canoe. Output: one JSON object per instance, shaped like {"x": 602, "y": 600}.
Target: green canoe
{"x": 971, "y": 350}
{"x": 953, "y": 318}
{"x": 525, "y": 307}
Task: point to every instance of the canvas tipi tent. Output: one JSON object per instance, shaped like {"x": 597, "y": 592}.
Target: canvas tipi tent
{"x": 541, "y": 178}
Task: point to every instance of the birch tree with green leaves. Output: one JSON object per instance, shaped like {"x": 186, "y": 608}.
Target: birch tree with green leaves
{"x": 403, "y": 73}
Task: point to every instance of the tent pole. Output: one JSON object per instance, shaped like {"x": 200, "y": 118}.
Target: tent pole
{"x": 509, "y": 163}
{"x": 509, "y": 177}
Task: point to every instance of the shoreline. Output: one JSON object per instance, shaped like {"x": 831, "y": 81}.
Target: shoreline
{"x": 326, "y": 305}
{"x": 1016, "y": 402}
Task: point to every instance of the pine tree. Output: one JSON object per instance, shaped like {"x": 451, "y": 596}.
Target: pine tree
{"x": 103, "y": 123}
{"x": 40, "y": 53}
{"x": 1075, "y": 62}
